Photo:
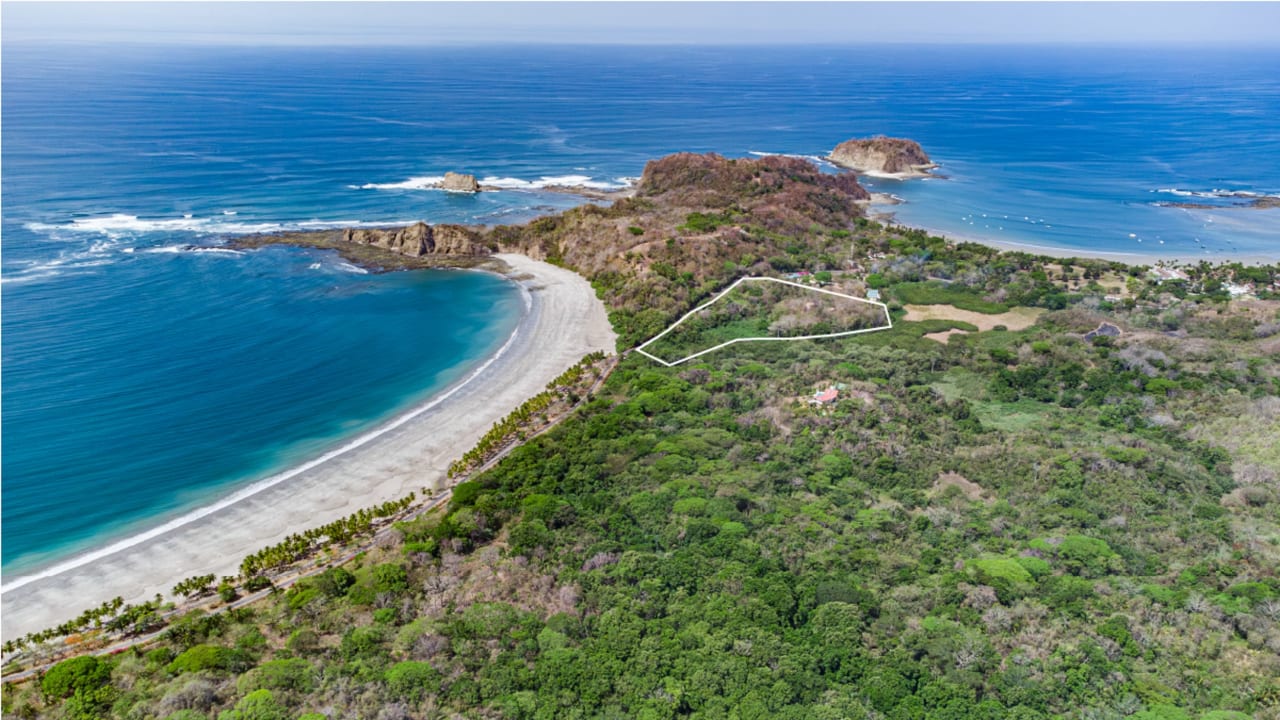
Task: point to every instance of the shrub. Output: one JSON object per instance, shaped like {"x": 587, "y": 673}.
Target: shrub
{"x": 1117, "y": 628}
{"x": 1162, "y": 712}
{"x": 1082, "y": 555}
{"x": 635, "y": 230}
{"x": 362, "y": 642}
{"x": 256, "y": 583}
{"x": 81, "y": 674}
{"x": 1006, "y": 576}
{"x": 302, "y": 640}
{"x": 283, "y": 674}
{"x": 227, "y": 591}
{"x": 1067, "y": 593}
{"x": 1036, "y": 566}
{"x": 207, "y": 657}
{"x": 530, "y": 534}
{"x": 334, "y": 582}
{"x": 257, "y": 705}
{"x": 390, "y": 577}
{"x": 410, "y": 680}
{"x": 300, "y": 595}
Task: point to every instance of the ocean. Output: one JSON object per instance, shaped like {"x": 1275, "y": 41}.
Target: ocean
{"x": 147, "y": 370}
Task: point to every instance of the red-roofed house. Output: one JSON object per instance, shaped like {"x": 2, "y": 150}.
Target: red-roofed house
{"x": 825, "y": 397}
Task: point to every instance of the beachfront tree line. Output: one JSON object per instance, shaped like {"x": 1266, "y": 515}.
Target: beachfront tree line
{"x": 116, "y": 616}
{"x": 298, "y": 546}
{"x": 514, "y": 427}
{"x": 195, "y": 586}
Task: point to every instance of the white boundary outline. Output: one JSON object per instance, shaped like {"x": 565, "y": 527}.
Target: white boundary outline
{"x": 640, "y": 348}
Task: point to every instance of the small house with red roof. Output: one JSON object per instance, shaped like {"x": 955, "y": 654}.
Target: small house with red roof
{"x": 825, "y": 397}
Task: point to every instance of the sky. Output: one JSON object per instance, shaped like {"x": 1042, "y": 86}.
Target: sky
{"x": 1234, "y": 24}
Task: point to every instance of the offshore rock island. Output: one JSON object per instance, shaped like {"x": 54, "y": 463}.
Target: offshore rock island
{"x": 882, "y": 156}
{"x": 991, "y": 509}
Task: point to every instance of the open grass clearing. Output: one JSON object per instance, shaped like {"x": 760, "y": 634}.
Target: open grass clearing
{"x": 763, "y": 308}
{"x": 1018, "y": 318}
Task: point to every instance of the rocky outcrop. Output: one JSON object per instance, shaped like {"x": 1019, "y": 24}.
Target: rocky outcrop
{"x": 1265, "y": 202}
{"x": 459, "y": 182}
{"x": 420, "y": 239}
{"x": 883, "y": 156}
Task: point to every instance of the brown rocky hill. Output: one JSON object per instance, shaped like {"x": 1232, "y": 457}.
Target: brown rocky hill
{"x": 695, "y": 223}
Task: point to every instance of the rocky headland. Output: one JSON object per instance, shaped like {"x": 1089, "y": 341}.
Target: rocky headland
{"x": 394, "y": 248}
{"x": 882, "y": 156}
{"x": 692, "y": 218}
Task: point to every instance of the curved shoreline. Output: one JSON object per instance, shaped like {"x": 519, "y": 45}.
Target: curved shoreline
{"x": 1126, "y": 257}
{"x": 84, "y": 558}
{"x": 563, "y": 321}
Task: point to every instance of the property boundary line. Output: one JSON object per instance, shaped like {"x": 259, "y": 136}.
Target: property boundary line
{"x": 760, "y": 278}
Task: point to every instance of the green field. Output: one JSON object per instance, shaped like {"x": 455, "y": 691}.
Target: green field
{"x": 765, "y": 309}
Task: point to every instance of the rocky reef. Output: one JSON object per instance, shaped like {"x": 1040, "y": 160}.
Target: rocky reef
{"x": 883, "y": 156}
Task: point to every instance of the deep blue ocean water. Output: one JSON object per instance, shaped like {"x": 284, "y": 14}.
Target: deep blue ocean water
{"x": 145, "y": 370}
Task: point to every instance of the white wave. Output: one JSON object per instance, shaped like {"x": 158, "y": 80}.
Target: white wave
{"x": 58, "y": 266}
{"x": 1217, "y": 193}
{"x": 432, "y": 182}
{"x": 815, "y": 159}
{"x": 122, "y": 225}
{"x": 348, "y": 267}
{"x": 229, "y": 212}
{"x": 119, "y": 225}
{"x": 425, "y": 182}
{"x": 27, "y": 276}
{"x": 332, "y": 224}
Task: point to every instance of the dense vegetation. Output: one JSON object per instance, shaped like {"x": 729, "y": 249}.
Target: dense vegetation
{"x": 1017, "y": 524}
{"x": 561, "y": 394}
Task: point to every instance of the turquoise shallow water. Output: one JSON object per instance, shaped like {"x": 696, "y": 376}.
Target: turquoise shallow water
{"x": 146, "y": 370}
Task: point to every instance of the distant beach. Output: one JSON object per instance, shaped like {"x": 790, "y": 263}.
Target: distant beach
{"x": 881, "y": 201}
{"x": 563, "y": 321}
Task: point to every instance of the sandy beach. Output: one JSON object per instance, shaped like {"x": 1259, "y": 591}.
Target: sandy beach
{"x": 564, "y": 321}
{"x": 886, "y": 215}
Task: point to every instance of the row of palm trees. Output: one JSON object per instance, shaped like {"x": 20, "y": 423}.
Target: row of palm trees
{"x": 513, "y": 425}
{"x": 113, "y": 615}
{"x": 297, "y": 546}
